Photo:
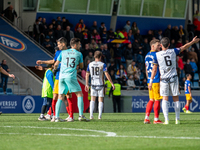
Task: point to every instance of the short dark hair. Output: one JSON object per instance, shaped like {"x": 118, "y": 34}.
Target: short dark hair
{"x": 165, "y": 42}
{"x": 62, "y": 40}
{"x": 154, "y": 41}
{"x": 187, "y": 75}
{"x": 97, "y": 54}
{"x": 74, "y": 41}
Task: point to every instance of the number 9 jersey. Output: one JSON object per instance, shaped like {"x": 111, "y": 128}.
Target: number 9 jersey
{"x": 149, "y": 66}
{"x": 96, "y": 69}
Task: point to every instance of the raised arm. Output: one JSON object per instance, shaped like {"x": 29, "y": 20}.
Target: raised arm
{"x": 48, "y": 62}
{"x": 186, "y": 46}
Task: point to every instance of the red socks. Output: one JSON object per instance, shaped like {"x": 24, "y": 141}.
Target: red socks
{"x": 149, "y": 107}
{"x": 54, "y": 106}
{"x": 70, "y": 112}
{"x": 49, "y": 112}
{"x": 156, "y": 109}
{"x": 186, "y": 107}
{"x": 67, "y": 108}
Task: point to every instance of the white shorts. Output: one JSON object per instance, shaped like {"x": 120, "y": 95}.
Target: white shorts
{"x": 97, "y": 92}
{"x": 174, "y": 86}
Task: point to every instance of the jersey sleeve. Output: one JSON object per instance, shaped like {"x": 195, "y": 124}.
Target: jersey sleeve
{"x": 177, "y": 50}
{"x": 155, "y": 61}
{"x": 81, "y": 58}
{"x": 59, "y": 57}
{"x": 49, "y": 76}
{"x": 104, "y": 68}
{"x": 88, "y": 68}
{"x": 56, "y": 55}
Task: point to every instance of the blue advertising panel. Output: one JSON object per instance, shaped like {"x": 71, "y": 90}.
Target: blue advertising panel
{"x": 19, "y": 46}
{"x": 20, "y": 104}
{"x": 139, "y": 103}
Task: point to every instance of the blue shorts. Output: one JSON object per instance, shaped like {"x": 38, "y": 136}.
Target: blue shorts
{"x": 70, "y": 85}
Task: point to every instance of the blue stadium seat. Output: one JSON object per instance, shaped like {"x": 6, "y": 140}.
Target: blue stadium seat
{"x": 196, "y": 77}
{"x": 142, "y": 76}
{"x": 196, "y": 84}
{"x": 1, "y": 91}
{"x": 9, "y": 91}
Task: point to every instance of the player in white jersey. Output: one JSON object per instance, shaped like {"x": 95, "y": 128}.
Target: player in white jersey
{"x": 166, "y": 60}
{"x": 96, "y": 70}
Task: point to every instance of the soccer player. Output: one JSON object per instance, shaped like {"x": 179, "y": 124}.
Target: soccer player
{"x": 68, "y": 78}
{"x": 96, "y": 70}
{"x": 166, "y": 60}
{"x": 188, "y": 94}
{"x": 154, "y": 93}
{"x": 62, "y": 45}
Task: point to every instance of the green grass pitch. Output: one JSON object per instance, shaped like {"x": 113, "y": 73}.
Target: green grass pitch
{"x": 115, "y": 131}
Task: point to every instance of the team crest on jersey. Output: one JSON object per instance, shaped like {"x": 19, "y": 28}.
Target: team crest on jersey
{"x": 11, "y": 43}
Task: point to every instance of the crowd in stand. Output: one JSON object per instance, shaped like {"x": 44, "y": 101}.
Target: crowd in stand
{"x": 125, "y": 61}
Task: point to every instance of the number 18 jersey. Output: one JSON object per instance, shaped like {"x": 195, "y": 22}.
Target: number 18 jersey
{"x": 149, "y": 66}
{"x": 166, "y": 60}
{"x": 96, "y": 69}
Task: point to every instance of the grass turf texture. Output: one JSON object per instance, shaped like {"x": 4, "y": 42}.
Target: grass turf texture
{"x": 125, "y": 125}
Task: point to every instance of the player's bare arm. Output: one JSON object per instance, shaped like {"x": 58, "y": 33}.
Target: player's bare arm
{"x": 6, "y": 73}
{"x": 189, "y": 89}
{"x": 186, "y": 46}
{"x": 109, "y": 78}
{"x": 48, "y": 62}
{"x": 81, "y": 65}
{"x": 56, "y": 64}
{"x": 154, "y": 71}
{"x": 87, "y": 80}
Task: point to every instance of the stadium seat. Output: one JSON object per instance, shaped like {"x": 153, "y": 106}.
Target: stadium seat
{"x": 196, "y": 84}
{"x": 9, "y": 91}
{"x": 1, "y": 91}
{"x": 196, "y": 77}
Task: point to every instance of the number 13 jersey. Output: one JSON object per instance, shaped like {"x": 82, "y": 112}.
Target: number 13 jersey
{"x": 96, "y": 69}
{"x": 166, "y": 59}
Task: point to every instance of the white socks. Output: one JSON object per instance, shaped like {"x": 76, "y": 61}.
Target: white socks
{"x": 100, "y": 108}
{"x": 92, "y": 103}
{"x": 177, "y": 109}
{"x": 165, "y": 109}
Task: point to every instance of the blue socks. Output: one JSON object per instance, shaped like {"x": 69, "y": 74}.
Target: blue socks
{"x": 80, "y": 105}
{"x": 58, "y": 105}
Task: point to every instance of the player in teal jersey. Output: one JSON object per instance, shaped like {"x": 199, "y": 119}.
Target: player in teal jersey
{"x": 69, "y": 60}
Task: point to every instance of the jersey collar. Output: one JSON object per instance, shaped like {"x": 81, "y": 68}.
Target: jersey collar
{"x": 152, "y": 50}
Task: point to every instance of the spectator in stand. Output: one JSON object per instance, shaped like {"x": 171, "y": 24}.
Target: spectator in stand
{"x": 196, "y": 22}
{"x": 197, "y": 15}
{"x": 121, "y": 75}
{"x": 54, "y": 24}
{"x": 50, "y": 28}
{"x": 150, "y": 35}
{"x": 104, "y": 36}
{"x": 175, "y": 33}
{"x": 4, "y": 78}
{"x": 65, "y": 23}
{"x": 111, "y": 34}
{"x": 40, "y": 20}
{"x": 94, "y": 26}
{"x": 159, "y": 36}
{"x": 190, "y": 53}
{"x": 86, "y": 36}
{"x": 132, "y": 69}
{"x": 167, "y": 32}
{"x": 43, "y": 26}
{"x": 95, "y": 35}
{"x": 128, "y": 54}
{"x": 179, "y": 43}
{"x": 134, "y": 28}
{"x": 138, "y": 36}
{"x": 146, "y": 47}
{"x": 93, "y": 45}
{"x": 119, "y": 35}
{"x": 130, "y": 36}
{"x": 137, "y": 51}
{"x": 194, "y": 68}
{"x": 80, "y": 25}
{"x": 48, "y": 45}
{"x": 137, "y": 80}
{"x": 112, "y": 67}
{"x": 59, "y": 21}
{"x": 124, "y": 33}
{"x": 107, "y": 54}
{"x": 58, "y": 32}
{"x": 68, "y": 34}
{"x": 182, "y": 83}
{"x": 182, "y": 34}
{"x": 180, "y": 65}
{"x": 79, "y": 34}
{"x": 51, "y": 37}
{"x": 88, "y": 57}
{"x": 117, "y": 54}
{"x": 99, "y": 43}
{"x": 130, "y": 83}
{"x": 191, "y": 29}
{"x": 143, "y": 85}
{"x": 86, "y": 50}
{"x": 9, "y": 13}
{"x": 36, "y": 30}
{"x": 101, "y": 27}
{"x": 172, "y": 44}
{"x": 127, "y": 27}
{"x": 112, "y": 75}
{"x": 188, "y": 68}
